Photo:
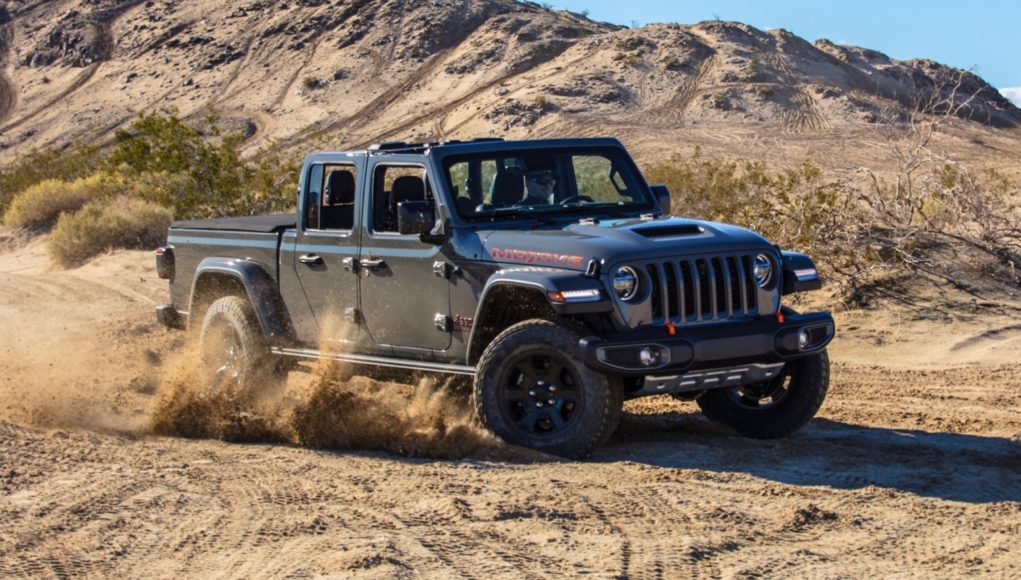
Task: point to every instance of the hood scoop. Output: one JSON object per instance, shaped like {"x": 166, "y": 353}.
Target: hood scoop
{"x": 670, "y": 231}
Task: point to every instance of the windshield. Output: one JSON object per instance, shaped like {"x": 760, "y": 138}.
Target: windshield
{"x": 540, "y": 182}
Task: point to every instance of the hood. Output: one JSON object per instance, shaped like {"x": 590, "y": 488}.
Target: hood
{"x": 613, "y": 241}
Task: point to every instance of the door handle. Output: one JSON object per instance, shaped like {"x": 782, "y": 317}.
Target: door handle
{"x": 310, "y": 259}
{"x": 373, "y": 263}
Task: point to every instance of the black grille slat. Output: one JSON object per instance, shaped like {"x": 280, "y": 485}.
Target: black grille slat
{"x": 696, "y": 285}
{"x": 728, "y": 283}
{"x": 749, "y": 277}
{"x": 689, "y": 291}
{"x": 722, "y": 309}
{"x": 714, "y": 305}
{"x": 743, "y": 282}
{"x": 670, "y": 282}
{"x": 664, "y": 291}
{"x": 703, "y": 289}
{"x": 734, "y": 275}
{"x": 682, "y": 287}
{"x": 705, "y": 298}
{"x": 656, "y": 297}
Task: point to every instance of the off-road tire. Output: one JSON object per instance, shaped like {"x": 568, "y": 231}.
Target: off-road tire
{"x": 809, "y": 380}
{"x": 231, "y": 322}
{"x": 588, "y": 421}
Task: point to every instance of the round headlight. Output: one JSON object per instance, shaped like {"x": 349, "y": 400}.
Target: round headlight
{"x": 625, "y": 282}
{"x": 763, "y": 270}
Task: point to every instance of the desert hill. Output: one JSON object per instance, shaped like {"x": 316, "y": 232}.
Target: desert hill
{"x": 344, "y": 73}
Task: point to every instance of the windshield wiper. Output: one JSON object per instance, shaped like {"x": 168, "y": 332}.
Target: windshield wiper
{"x": 513, "y": 212}
{"x": 588, "y": 210}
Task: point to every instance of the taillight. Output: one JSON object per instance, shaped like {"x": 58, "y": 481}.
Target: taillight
{"x": 165, "y": 262}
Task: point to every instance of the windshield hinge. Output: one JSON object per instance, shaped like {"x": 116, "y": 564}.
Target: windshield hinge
{"x": 353, "y": 315}
{"x": 441, "y": 269}
{"x": 443, "y": 322}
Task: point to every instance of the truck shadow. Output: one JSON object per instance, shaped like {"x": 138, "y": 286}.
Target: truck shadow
{"x": 950, "y": 466}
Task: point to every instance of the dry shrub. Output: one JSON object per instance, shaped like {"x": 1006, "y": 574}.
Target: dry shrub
{"x": 120, "y": 222}
{"x": 62, "y": 164}
{"x": 877, "y": 235}
{"x": 42, "y": 204}
{"x": 869, "y": 233}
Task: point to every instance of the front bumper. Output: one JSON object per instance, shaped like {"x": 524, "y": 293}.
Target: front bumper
{"x": 764, "y": 339}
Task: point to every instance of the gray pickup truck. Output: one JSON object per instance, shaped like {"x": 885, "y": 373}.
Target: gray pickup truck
{"x": 548, "y": 271}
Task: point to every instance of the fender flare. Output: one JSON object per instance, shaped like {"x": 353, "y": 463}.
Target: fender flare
{"x": 544, "y": 281}
{"x": 261, "y": 290}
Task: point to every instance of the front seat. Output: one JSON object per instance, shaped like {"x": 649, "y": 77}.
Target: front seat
{"x": 339, "y": 211}
{"x": 404, "y": 188}
{"x": 407, "y": 188}
{"x": 508, "y": 189}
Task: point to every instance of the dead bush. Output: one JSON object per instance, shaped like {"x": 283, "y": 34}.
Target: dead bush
{"x": 874, "y": 234}
{"x": 40, "y": 205}
{"x": 64, "y": 164}
{"x": 120, "y": 222}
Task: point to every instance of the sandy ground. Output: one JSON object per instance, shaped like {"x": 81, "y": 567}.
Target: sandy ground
{"x": 913, "y": 467}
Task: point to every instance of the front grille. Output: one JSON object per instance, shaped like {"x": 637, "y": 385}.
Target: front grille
{"x": 702, "y": 289}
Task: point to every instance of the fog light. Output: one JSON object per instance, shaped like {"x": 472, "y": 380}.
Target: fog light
{"x": 649, "y": 356}
{"x": 803, "y": 339}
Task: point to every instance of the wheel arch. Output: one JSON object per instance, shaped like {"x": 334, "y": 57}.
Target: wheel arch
{"x": 503, "y": 305}
{"x": 217, "y": 277}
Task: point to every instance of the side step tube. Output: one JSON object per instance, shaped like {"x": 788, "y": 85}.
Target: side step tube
{"x": 379, "y": 361}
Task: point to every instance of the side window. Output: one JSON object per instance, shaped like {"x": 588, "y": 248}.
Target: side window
{"x": 597, "y": 179}
{"x": 488, "y": 174}
{"x": 472, "y": 183}
{"x": 391, "y": 185}
{"x": 338, "y": 199}
{"x": 315, "y": 194}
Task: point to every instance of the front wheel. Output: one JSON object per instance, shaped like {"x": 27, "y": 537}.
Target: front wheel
{"x": 775, "y": 408}
{"x": 533, "y": 389}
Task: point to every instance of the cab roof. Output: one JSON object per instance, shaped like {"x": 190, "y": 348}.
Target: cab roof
{"x": 478, "y": 145}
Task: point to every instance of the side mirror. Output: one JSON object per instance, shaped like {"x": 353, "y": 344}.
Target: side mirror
{"x": 415, "y": 218}
{"x": 662, "y": 194}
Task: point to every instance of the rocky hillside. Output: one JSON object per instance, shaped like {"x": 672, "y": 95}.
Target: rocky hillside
{"x": 344, "y": 73}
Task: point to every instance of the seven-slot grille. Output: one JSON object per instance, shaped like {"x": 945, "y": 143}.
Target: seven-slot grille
{"x": 702, "y": 289}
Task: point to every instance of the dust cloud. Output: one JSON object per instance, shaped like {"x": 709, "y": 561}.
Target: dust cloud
{"x": 330, "y": 408}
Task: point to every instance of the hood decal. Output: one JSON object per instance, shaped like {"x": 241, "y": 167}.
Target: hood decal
{"x": 533, "y": 257}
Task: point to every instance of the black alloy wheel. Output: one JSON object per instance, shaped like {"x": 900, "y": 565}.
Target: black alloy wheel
{"x": 540, "y": 393}
{"x": 533, "y": 389}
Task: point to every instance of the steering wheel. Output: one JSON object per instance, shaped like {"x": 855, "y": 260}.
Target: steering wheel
{"x": 576, "y": 198}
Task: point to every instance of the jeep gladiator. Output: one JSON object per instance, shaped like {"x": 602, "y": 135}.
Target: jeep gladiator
{"x": 547, "y": 271}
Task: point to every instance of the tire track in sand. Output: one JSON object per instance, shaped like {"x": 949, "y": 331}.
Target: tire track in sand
{"x": 8, "y": 94}
{"x": 803, "y": 115}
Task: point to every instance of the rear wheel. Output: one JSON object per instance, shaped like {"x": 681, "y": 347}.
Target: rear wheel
{"x": 533, "y": 390}
{"x": 775, "y": 408}
{"x": 235, "y": 358}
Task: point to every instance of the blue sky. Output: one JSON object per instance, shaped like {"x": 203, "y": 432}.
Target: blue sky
{"x": 977, "y": 35}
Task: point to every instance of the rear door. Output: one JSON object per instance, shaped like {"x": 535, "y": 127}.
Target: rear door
{"x": 325, "y": 252}
{"x": 405, "y": 304}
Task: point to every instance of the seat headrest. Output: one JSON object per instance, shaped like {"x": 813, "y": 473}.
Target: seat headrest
{"x": 508, "y": 189}
{"x": 340, "y": 188}
{"x": 408, "y": 188}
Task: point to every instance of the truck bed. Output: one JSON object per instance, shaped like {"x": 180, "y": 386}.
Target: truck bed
{"x": 261, "y": 223}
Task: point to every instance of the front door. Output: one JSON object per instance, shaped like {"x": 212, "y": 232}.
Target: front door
{"x": 404, "y": 303}
{"x": 326, "y": 253}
